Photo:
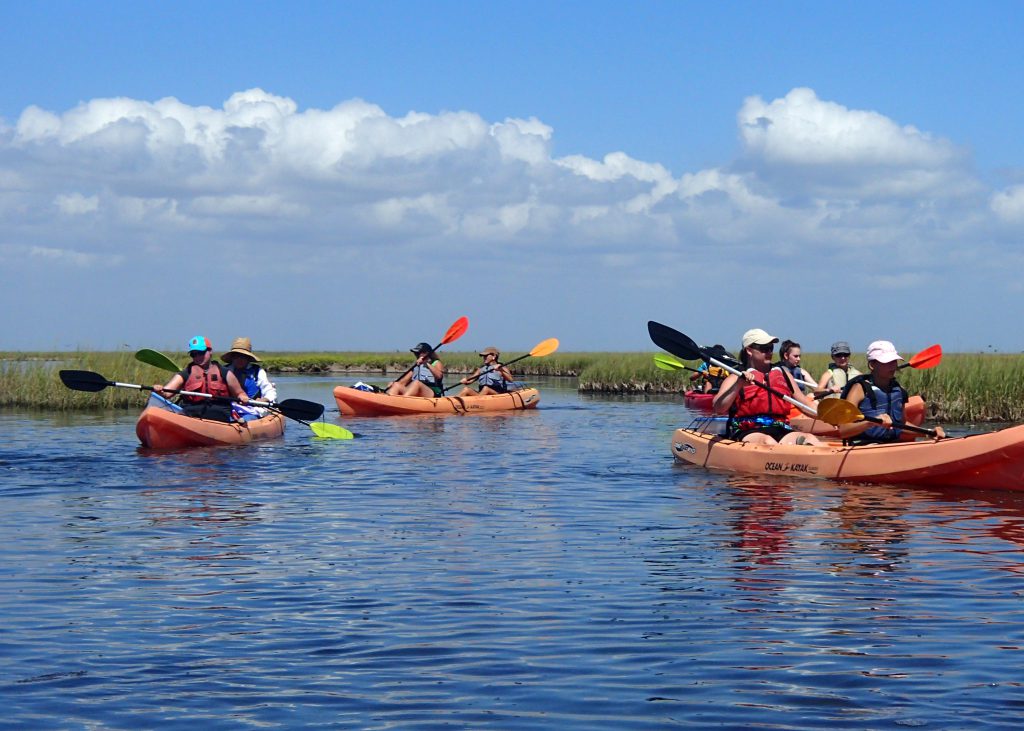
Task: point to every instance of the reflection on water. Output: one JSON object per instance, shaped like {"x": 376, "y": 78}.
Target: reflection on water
{"x": 548, "y": 569}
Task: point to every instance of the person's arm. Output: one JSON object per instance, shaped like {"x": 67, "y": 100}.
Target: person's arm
{"x": 855, "y": 396}
{"x": 437, "y": 368}
{"x": 470, "y": 378}
{"x": 268, "y": 392}
{"x": 235, "y": 388}
{"x": 798, "y": 393}
{"x": 727, "y": 393}
{"x": 823, "y": 382}
{"x": 504, "y": 372}
{"x": 172, "y": 385}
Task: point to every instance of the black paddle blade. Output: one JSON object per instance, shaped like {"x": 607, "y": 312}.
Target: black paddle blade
{"x": 718, "y": 352}
{"x": 674, "y": 342}
{"x": 296, "y": 408}
{"x": 83, "y": 381}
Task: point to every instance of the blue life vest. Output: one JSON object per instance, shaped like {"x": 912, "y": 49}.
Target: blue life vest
{"x": 877, "y": 402}
{"x": 489, "y": 376}
{"x": 424, "y": 374}
{"x": 247, "y": 379}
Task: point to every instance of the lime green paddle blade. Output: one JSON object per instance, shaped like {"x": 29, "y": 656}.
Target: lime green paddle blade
{"x": 330, "y": 431}
{"x": 157, "y": 359}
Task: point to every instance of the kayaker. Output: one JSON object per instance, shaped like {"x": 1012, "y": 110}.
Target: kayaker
{"x": 711, "y": 377}
{"x": 492, "y": 376}
{"x": 244, "y": 364}
{"x": 839, "y": 373}
{"x": 425, "y": 378}
{"x": 756, "y": 414}
{"x": 204, "y": 375}
{"x": 880, "y": 395}
{"x": 789, "y": 359}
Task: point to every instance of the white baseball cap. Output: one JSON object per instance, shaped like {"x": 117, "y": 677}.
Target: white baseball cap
{"x": 757, "y": 336}
{"x": 883, "y": 351}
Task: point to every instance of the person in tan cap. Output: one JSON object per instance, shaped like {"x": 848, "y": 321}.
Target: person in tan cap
{"x": 878, "y": 394}
{"x": 492, "y": 375}
{"x": 756, "y": 414}
{"x": 245, "y": 366}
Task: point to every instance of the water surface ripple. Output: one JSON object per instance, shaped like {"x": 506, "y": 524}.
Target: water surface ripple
{"x": 522, "y": 571}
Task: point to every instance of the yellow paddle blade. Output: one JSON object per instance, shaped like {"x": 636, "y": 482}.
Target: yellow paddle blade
{"x": 330, "y": 431}
{"x": 837, "y": 412}
{"x": 546, "y": 347}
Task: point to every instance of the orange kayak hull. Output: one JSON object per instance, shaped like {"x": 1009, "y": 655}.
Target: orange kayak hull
{"x": 355, "y": 402}
{"x": 992, "y": 461}
{"x": 162, "y": 429}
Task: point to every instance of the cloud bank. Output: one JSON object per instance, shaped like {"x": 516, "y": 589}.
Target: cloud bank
{"x": 121, "y": 183}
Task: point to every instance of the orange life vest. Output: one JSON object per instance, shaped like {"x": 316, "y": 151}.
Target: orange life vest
{"x": 212, "y": 380}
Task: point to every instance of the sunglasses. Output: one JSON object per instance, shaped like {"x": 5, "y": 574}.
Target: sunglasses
{"x": 194, "y": 353}
{"x": 769, "y": 348}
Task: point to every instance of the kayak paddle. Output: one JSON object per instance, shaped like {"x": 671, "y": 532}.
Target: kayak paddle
{"x": 839, "y": 411}
{"x": 456, "y": 331}
{"x": 683, "y": 347}
{"x": 545, "y": 347}
{"x": 298, "y": 409}
{"x": 156, "y": 359}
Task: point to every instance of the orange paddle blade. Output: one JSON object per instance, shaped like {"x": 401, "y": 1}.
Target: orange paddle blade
{"x": 546, "y": 347}
{"x": 927, "y": 358}
{"x": 456, "y": 331}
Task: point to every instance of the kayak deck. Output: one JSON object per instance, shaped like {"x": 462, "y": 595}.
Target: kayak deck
{"x": 159, "y": 428}
{"x": 994, "y": 460}
{"x": 356, "y": 402}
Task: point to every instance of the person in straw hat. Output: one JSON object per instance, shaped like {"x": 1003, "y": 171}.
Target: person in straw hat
{"x": 245, "y": 366}
{"x": 493, "y": 376}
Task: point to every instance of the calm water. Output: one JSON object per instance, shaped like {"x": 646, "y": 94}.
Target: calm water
{"x": 542, "y": 570}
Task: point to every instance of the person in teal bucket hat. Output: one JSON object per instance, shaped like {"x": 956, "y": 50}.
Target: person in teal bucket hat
{"x": 204, "y": 375}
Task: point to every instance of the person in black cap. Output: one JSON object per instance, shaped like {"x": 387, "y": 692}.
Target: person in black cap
{"x": 425, "y": 378}
{"x": 839, "y": 372}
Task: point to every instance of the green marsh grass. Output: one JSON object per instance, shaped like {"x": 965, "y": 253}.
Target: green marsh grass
{"x": 965, "y": 387}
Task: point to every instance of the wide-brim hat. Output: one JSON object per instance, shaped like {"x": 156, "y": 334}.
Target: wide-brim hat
{"x": 241, "y": 346}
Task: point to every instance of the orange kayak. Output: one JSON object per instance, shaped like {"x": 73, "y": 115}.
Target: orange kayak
{"x": 994, "y": 460}
{"x": 159, "y": 428}
{"x": 355, "y": 402}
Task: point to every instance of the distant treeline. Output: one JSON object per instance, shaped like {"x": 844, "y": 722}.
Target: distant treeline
{"x": 964, "y": 388}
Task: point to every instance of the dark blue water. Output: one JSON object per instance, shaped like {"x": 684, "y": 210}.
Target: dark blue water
{"x": 541, "y": 570}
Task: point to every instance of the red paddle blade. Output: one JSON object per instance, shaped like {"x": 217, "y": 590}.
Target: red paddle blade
{"x": 456, "y": 331}
{"x": 927, "y": 358}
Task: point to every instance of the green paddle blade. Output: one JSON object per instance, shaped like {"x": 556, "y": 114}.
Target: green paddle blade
{"x": 330, "y": 431}
{"x": 157, "y": 360}
{"x": 668, "y": 362}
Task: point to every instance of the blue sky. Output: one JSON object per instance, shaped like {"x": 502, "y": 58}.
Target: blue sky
{"x": 358, "y": 175}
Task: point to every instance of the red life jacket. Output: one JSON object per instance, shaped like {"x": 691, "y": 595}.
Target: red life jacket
{"x": 756, "y": 401}
{"x": 212, "y": 381}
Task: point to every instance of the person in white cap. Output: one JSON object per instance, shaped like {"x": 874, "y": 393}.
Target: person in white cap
{"x": 759, "y": 414}
{"x": 880, "y": 395}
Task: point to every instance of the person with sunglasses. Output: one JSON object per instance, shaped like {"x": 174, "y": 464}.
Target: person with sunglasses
{"x": 756, "y": 414}
{"x": 839, "y": 372}
{"x": 204, "y": 375}
{"x": 493, "y": 376}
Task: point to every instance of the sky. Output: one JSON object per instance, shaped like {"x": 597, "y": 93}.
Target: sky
{"x": 358, "y": 175}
